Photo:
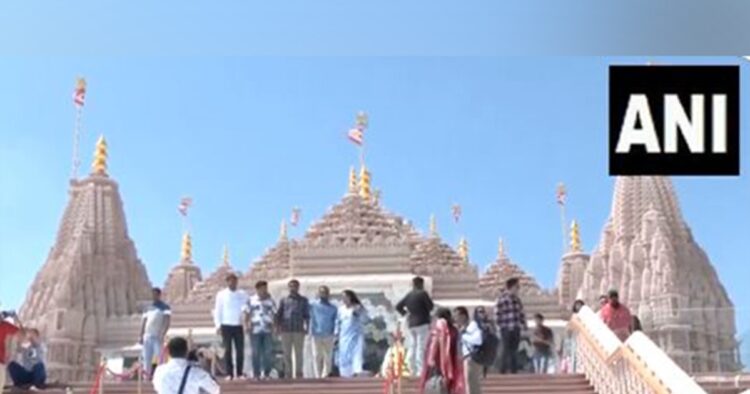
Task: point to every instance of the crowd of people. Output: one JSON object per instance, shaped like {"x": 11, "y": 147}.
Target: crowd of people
{"x": 449, "y": 350}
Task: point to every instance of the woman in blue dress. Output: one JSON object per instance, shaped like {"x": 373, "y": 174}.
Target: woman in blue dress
{"x": 350, "y": 328}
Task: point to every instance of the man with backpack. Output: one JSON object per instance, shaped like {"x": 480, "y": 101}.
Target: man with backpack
{"x": 478, "y": 345}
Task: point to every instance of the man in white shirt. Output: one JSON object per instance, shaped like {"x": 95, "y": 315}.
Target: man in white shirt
{"x": 154, "y": 327}
{"x": 228, "y": 316}
{"x": 178, "y": 376}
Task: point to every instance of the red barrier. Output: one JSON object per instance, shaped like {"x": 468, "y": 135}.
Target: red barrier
{"x": 98, "y": 379}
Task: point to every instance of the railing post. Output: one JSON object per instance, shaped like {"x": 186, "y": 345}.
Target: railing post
{"x": 102, "y": 371}
{"x": 139, "y": 372}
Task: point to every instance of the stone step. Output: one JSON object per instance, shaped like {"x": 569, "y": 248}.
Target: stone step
{"x": 494, "y": 384}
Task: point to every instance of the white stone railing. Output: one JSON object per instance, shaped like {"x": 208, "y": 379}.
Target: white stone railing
{"x": 636, "y": 366}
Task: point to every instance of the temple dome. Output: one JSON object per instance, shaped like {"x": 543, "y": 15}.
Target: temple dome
{"x": 502, "y": 269}
{"x": 432, "y": 254}
{"x": 274, "y": 264}
{"x": 206, "y": 290}
{"x": 356, "y": 222}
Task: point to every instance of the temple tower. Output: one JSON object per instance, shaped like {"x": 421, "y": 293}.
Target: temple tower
{"x": 648, "y": 253}
{"x": 572, "y": 267}
{"x": 183, "y": 277}
{"x": 92, "y": 275}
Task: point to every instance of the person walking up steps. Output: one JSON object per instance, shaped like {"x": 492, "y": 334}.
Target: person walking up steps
{"x": 228, "y": 311}
{"x": 419, "y": 306}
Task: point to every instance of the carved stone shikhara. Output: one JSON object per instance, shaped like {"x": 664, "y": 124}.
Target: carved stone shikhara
{"x": 648, "y": 254}
{"x": 88, "y": 294}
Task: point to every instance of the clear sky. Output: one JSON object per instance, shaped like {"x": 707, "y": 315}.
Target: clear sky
{"x": 249, "y": 138}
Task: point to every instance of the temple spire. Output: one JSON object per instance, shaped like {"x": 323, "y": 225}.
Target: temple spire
{"x": 575, "y": 237}
{"x": 500, "y": 249}
{"x": 463, "y": 250}
{"x": 225, "y": 256}
{"x": 433, "y": 226}
{"x": 352, "y": 181}
{"x": 187, "y": 248}
{"x": 283, "y": 232}
{"x": 99, "y": 166}
{"x": 364, "y": 184}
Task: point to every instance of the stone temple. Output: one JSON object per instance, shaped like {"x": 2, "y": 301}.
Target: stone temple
{"x": 87, "y": 297}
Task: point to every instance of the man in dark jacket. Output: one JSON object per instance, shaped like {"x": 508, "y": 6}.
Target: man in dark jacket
{"x": 419, "y": 305}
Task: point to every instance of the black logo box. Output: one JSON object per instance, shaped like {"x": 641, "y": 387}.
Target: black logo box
{"x": 655, "y": 82}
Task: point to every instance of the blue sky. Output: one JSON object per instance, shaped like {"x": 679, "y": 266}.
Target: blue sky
{"x": 249, "y": 138}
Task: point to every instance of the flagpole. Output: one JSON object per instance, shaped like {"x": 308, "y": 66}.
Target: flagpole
{"x": 564, "y": 228}
{"x": 76, "y": 142}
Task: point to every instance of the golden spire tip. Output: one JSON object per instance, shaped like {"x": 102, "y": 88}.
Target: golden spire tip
{"x": 575, "y": 237}
{"x": 187, "y": 248}
{"x": 99, "y": 166}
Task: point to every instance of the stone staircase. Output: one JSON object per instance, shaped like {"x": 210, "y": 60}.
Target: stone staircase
{"x": 494, "y": 384}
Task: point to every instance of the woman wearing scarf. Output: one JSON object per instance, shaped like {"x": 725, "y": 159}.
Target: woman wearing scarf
{"x": 351, "y": 319}
{"x": 443, "y": 358}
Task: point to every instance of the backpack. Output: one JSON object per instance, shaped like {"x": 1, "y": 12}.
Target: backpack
{"x": 486, "y": 353}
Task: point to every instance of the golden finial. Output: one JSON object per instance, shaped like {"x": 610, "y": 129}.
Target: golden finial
{"x": 364, "y": 183}
{"x": 99, "y": 166}
{"x": 225, "y": 256}
{"x": 463, "y": 250}
{"x": 352, "y": 181}
{"x": 575, "y": 237}
{"x": 187, "y": 248}
{"x": 500, "y": 249}
{"x": 282, "y": 232}
{"x": 433, "y": 226}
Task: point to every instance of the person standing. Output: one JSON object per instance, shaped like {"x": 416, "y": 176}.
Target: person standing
{"x": 154, "y": 327}
{"x": 471, "y": 340}
{"x": 179, "y": 376}
{"x": 28, "y": 369}
{"x": 617, "y": 316}
{"x": 259, "y": 317}
{"x": 511, "y": 321}
{"x": 292, "y": 321}
{"x": 542, "y": 341}
{"x": 419, "y": 305}
{"x": 228, "y": 312}
{"x": 443, "y": 372}
{"x": 323, "y": 315}
{"x": 350, "y": 327}
{"x": 8, "y": 335}
{"x": 567, "y": 350}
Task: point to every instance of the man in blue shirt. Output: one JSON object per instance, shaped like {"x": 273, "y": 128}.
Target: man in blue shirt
{"x": 322, "y": 327}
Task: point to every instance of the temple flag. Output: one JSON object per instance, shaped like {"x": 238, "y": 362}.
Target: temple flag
{"x": 561, "y": 194}
{"x": 185, "y": 204}
{"x": 79, "y": 94}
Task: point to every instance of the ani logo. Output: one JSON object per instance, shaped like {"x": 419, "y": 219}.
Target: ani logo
{"x": 674, "y": 120}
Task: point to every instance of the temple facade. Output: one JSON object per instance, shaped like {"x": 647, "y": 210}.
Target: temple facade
{"x": 87, "y": 297}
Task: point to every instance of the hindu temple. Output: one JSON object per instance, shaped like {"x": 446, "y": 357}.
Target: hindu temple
{"x": 87, "y": 296}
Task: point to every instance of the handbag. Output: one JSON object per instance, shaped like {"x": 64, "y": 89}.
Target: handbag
{"x": 436, "y": 383}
